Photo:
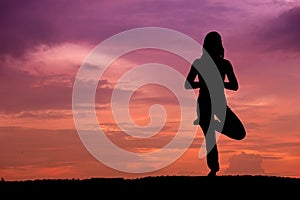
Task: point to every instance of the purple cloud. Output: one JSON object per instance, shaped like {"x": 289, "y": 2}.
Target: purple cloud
{"x": 282, "y": 33}
{"x": 26, "y": 24}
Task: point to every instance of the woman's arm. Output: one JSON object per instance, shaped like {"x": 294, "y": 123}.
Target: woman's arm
{"x": 232, "y": 83}
{"x": 190, "y": 82}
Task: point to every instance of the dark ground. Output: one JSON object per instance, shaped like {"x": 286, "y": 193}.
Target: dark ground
{"x": 228, "y": 187}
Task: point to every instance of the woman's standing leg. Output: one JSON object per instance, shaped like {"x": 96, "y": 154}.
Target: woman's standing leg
{"x": 212, "y": 153}
{"x": 212, "y": 157}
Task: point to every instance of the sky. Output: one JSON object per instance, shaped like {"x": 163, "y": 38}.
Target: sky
{"x": 45, "y": 43}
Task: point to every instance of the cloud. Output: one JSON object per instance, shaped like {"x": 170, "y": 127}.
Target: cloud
{"x": 24, "y": 91}
{"x": 19, "y": 92}
{"x": 31, "y": 23}
{"x": 250, "y": 164}
{"x": 282, "y": 33}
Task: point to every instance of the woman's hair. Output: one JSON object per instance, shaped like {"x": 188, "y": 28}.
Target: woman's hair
{"x": 213, "y": 45}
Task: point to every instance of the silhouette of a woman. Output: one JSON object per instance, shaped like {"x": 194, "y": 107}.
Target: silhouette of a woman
{"x": 232, "y": 126}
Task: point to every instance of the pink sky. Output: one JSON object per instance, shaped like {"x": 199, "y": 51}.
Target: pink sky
{"x": 43, "y": 44}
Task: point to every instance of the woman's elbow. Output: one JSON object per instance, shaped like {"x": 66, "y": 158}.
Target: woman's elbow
{"x": 231, "y": 86}
{"x": 235, "y": 87}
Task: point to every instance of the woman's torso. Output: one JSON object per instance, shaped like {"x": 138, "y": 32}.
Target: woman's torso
{"x": 222, "y": 65}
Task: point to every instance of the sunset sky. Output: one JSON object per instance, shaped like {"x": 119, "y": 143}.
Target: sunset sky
{"x": 44, "y": 43}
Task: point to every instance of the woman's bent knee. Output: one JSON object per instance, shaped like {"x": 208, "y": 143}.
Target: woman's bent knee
{"x": 241, "y": 135}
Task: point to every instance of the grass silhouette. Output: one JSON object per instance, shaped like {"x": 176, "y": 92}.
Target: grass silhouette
{"x": 153, "y": 187}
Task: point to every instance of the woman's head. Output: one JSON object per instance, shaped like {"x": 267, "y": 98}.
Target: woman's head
{"x": 213, "y": 44}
